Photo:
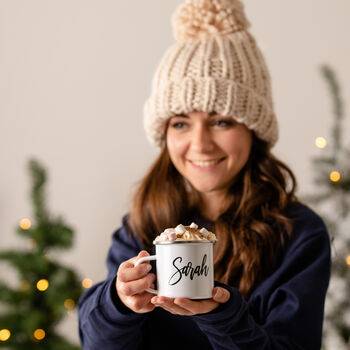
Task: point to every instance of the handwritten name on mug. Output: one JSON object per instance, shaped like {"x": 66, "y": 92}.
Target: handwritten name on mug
{"x": 188, "y": 270}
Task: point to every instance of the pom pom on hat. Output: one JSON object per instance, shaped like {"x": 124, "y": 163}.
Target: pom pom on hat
{"x": 198, "y": 19}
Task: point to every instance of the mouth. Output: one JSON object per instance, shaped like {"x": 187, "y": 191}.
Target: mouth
{"x": 206, "y": 163}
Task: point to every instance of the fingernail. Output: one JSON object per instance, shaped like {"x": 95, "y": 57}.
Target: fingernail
{"x": 219, "y": 293}
{"x": 147, "y": 268}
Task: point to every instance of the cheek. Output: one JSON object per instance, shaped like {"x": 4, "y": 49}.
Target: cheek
{"x": 175, "y": 145}
{"x": 239, "y": 148}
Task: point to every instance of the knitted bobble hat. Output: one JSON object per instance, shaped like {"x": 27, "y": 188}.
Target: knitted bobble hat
{"x": 214, "y": 66}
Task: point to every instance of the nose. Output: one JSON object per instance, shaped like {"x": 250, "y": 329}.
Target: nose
{"x": 201, "y": 139}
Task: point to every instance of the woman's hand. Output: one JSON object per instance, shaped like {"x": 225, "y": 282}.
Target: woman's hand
{"x": 187, "y": 307}
{"x": 133, "y": 281}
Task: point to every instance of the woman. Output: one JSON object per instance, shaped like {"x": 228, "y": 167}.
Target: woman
{"x": 211, "y": 114}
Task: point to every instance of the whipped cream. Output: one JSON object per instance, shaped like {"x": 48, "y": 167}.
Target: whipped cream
{"x": 185, "y": 233}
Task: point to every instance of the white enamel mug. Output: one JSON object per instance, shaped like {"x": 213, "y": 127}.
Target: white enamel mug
{"x": 184, "y": 269}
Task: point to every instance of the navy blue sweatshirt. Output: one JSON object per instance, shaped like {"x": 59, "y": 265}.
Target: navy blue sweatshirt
{"x": 284, "y": 312}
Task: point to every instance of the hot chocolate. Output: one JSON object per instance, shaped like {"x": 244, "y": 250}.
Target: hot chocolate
{"x": 185, "y": 233}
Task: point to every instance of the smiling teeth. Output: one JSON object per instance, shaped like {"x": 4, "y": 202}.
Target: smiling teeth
{"x": 204, "y": 164}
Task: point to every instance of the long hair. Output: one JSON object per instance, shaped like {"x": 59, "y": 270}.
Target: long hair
{"x": 248, "y": 229}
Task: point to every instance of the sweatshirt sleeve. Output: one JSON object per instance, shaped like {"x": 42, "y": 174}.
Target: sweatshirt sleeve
{"x": 104, "y": 322}
{"x": 286, "y": 310}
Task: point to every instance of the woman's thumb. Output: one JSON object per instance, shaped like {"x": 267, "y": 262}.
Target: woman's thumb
{"x": 142, "y": 254}
{"x": 221, "y": 295}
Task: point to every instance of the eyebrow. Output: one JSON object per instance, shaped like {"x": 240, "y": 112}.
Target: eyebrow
{"x": 181, "y": 115}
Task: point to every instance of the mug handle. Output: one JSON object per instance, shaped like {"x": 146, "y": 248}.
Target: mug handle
{"x": 147, "y": 258}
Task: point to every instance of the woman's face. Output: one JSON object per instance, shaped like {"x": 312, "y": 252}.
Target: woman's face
{"x": 207, "y": 149}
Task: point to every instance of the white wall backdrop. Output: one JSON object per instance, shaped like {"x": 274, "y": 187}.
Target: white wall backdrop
{"x": 74, "y": 75}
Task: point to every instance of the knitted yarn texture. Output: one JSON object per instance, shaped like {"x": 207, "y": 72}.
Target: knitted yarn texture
{"x": 215, "y": 65}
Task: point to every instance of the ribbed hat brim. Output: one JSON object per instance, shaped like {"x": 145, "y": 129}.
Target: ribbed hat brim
{"x": 225, "y": 97}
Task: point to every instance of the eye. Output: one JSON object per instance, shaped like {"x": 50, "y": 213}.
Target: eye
{"x": 178, "y": 122}
{"x": 177, "y": 125}
{"x": 223, "y": 122}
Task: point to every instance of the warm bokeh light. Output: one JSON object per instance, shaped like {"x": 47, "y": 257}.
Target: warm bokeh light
{"x": 348, "y": 260}
{"x": 5, "y": 334}
{"x": 321, "y": 142}
{"x": 39, "y": 334}
{"x": 334, "y": 176}
{"x": 25, "y": 224}
{"x": 42, "y": 285}
{"x": 69, "y": 304}
{"x": 86, "y": 283}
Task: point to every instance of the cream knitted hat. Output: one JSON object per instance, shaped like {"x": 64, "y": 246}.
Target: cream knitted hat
{"x": 215, "y": 66}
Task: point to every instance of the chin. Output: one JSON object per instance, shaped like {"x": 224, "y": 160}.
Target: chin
{"x": 203, "y": 188}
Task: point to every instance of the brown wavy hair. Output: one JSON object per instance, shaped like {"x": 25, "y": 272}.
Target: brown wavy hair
{"x": 248, "y": 229}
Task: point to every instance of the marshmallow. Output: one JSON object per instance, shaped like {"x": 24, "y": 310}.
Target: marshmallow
{"x": 204, "y": 232}
{"x": 180, "y": 229}
{"x": 163, "y": 236}
{"x": 193, "y": 225}
{"x": 172, "y": 236}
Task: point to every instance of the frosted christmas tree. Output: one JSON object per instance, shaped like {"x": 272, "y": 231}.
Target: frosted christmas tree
{"x": 332, "y": 180}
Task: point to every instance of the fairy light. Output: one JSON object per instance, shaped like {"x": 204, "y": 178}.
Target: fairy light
{"x": 5, "y": 334}
{"x": 42, "y": 285}
{"x": 334, "y": 176}
{"x": 25, "y": 224}
{"x": 39, "y": 334}
{"x": 86, "y": 283}
{"x": 69, "y": 304}
{"x": 348, "y": 260}
{"x": 321, "y": 142}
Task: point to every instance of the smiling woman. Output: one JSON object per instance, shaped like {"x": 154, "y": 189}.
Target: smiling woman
{"x": 211, "y": 114}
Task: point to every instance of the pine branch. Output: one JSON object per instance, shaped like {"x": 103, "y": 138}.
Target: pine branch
{"x": 39, "y": 177}
{"x": 338, "y": 107}
{"x": 8, "y": 295}
{"x": 28, "y": 264}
